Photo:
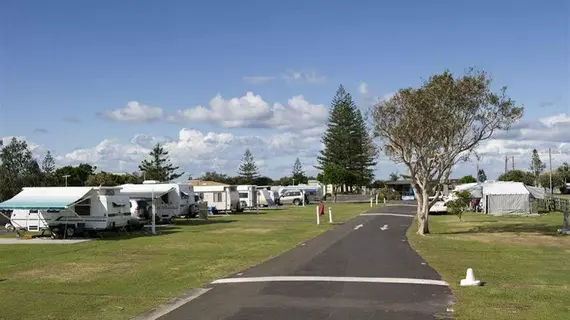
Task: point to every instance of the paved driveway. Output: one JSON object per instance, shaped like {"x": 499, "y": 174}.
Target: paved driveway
{"x": 363, "y": 269}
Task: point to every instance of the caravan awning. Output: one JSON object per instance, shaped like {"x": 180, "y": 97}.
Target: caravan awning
{"x": 46, "y": 198}
{"x": 145, "y": 190}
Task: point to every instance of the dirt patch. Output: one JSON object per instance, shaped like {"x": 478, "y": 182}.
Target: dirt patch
{"x": 67, "y": 272}
{"x": 523, "y": 239}
{"x": 241, "y": 230}
{"x": 510, "y": 308}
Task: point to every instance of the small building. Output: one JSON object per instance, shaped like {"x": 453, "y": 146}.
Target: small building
{"x": 402, "y": 187}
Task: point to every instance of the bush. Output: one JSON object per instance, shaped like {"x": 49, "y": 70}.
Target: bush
{"x": 460, "y": 204}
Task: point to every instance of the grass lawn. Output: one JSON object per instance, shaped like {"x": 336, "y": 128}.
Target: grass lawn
{"x": 524, "y": 265}
{"x": 118, "y": 278}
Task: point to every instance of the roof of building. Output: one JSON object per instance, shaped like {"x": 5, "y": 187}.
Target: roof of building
{"x": 197, "y": 182}
{"x": 398, "y": 182}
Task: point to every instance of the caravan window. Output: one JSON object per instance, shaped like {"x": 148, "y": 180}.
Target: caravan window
{"x": 243, "y": 195}
{"x": 164, "y": 198}
{"x": 218, "y": 197}
{"x": 83, "y": 208}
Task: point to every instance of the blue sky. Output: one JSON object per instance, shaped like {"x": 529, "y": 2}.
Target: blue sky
{"x": 78, "y": 59}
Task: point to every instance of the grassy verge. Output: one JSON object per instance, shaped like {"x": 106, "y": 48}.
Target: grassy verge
{"x": 117, "y": 278}
{"x": 525, "y": 266}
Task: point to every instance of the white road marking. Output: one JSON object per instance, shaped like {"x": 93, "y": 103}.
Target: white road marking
{"x": 358, "y": 227}
{"x": 332, "y": 279}
{"x": 385, "y": 227}
{"x": 171, "y": 305}
{"x": 388, "y": 214}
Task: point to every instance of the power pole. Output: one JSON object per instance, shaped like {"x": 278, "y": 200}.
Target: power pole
{"x": 513, "y": 162}
{"x": 66, "y": 176}
{"x": 550, "y": 171}
{"x": 506, "y": 164}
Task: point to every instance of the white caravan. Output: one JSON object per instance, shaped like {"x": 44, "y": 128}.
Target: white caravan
{"x": 67, "y": 211}
{"x": 223, "y": 197}
{"x": 247, "y": 196}
{"x": 170, "y": 199}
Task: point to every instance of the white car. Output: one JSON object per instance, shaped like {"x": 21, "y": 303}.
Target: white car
{"x": 438, "y": 207}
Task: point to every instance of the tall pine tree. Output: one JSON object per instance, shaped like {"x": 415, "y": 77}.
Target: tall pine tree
{"x": 248, "y": 169}
{"x": 298, "y": 174}
{"x": 48, "y": 169}
{"x": 363, "y": 151}
{"x": 159, "y": 166}
{"x": 349, "y": 152}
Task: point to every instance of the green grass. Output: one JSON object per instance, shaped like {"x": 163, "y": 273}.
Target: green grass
{"x": 524, "y": 265}
{"x": 118, "y": 278}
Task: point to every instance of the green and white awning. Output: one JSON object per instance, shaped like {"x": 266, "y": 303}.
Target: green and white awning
{"x": 46, "y": 198}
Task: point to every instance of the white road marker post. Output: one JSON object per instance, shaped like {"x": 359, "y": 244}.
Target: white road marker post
{"x": 318, "y": 217}
{"x": 371, "y": 202}
{"x": 330, "y": 215}
{"x": 376, "y": 199}
{"x": 384, "y": 200}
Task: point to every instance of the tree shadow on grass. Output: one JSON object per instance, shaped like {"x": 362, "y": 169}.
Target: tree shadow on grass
{"x": 542, "y": 228}
{"x": 248, "y": 213}
{"x": 201, "y": 222}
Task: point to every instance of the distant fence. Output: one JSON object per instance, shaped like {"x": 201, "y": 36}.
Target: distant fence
{"x": 550, "y": 204}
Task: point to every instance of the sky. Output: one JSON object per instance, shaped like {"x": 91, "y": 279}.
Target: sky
{"x": 103, "y": 81}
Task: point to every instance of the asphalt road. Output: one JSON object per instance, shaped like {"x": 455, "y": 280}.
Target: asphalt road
{"x": 367, "y": 251}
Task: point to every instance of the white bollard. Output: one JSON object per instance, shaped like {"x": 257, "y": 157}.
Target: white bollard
{"x": 330, "y": 215}
{"x": 384, "y": 200}
{"x": 469, "y": 279}
{"x": 371, "y": 202}
{"x": 318, "y": 217}
{"x": 376, "y": 199}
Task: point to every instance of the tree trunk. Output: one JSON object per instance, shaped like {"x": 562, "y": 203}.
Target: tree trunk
{"x": 334, "y": 193}
{"x": 423, "y": 211}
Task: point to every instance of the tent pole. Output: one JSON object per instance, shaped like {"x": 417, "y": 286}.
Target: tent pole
{"x": 153, "y": 223}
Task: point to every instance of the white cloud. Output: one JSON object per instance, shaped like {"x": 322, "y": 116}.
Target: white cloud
{"x": 135, "y": 112}
{"x": 251, "y": 111}
{"x": 196, "y": 152}
{"x": 304, "y": 77}
{"x": 363, "y": 88}
{"x": 258, "y": 79}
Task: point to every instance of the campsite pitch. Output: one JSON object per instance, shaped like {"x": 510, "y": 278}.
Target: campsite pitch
{"x": 118, "y": 278}
{"x": 521, "y": 260}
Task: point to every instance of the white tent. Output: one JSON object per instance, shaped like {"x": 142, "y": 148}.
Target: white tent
{"x": 501, "y": 198}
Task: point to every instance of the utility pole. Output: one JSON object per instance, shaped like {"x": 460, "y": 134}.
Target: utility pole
{"x": 513, "y": 162}
{"x": 506, "y": 164}
{"x": 550, "y": 171}
{"x": 66, "y": 176}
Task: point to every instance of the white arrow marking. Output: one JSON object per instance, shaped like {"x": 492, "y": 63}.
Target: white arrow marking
{"x": 385, "y": 227}
{"x": 358, "y": 227}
